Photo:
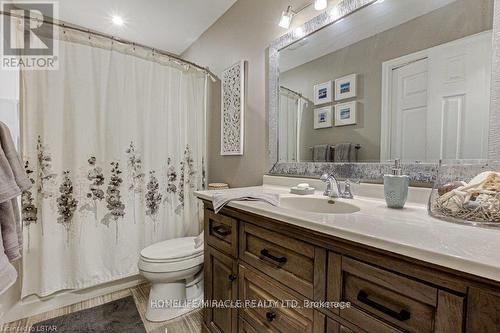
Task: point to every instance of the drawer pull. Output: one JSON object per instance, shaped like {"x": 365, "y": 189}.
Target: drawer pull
{"x": 221, "y": 231}
{"x": 232, "y": 277}
{"x": 402, "y": 315}
{"x": 270, "y": 316}
{"x": 280, "y": 260}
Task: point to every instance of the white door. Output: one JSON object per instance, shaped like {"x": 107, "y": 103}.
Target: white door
{"x": 409, "y": 111}
{"x": 440, "y": 104}
{"x": 459, "y": 98}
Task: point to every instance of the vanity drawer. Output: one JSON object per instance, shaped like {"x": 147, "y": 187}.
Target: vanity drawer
{"x": 290, "y": 261}
{"x": 402, "y": 302}
{"x": 244, "y": 327}
{"x": 221, "y": 232}
{"x": 324, "y": 324}
{"x": 279, "y": 316}
{"x": 387, "y": 302}
{"x": 335, "y": 327}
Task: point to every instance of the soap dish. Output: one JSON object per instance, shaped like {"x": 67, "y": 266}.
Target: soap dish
{"x": 302, "y": 191}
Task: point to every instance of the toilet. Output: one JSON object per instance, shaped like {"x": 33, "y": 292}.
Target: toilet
{"x": 175, "y": 270}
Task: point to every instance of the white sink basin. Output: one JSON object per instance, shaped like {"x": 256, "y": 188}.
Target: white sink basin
{"x": 318, "y": 205}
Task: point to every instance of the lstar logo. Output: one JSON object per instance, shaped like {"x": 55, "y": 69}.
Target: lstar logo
{"x": 29, "y": 41}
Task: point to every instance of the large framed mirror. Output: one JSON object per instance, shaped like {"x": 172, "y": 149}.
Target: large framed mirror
{"x": 372, "y": 81}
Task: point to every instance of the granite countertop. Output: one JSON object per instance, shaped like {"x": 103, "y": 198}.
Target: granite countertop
{"x": 410, "y": 231}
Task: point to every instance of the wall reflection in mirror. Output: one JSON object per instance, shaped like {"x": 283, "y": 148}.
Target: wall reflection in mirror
{"x": 397, "y": 79}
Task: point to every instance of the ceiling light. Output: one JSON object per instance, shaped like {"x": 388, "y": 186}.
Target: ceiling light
{"x": 320, "y": 4}
{"x": 118, "y": 20}
{"x": 286, "y": 18}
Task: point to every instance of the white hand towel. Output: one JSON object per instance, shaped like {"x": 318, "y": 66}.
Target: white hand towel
{"x": 220, "y": 199}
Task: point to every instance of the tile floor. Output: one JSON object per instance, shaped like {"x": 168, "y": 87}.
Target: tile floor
{"x": 190, "y": 323}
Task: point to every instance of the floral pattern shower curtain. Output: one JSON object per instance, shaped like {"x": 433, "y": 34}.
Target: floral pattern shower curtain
{"x": 114, "y": 143}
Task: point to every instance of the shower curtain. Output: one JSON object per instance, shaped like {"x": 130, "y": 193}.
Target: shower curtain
{"x": 290, "y": 118}
{"x": 114, "y": 142}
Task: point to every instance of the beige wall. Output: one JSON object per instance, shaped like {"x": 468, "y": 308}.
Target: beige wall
{"x": 457, "y": 20}
{"x": 244, "y": 32}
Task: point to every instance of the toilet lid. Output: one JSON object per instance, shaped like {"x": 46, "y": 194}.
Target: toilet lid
{"x": 173, "y": 249}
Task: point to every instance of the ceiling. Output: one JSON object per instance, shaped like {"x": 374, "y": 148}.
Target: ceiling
{"x": 169, "y": 25}
{"x": 363, "y": 24}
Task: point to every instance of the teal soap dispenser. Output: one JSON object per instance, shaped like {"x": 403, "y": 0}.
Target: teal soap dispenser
{"x": 396, "y": 187}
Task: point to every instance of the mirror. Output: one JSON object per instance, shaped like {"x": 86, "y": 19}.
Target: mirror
{"x": 396, "y": 79}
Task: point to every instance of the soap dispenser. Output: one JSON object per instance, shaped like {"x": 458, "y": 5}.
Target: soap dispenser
{"x": 396, "y": 187}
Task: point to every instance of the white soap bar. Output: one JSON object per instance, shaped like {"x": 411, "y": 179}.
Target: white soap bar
{"x": 303, "y": 185}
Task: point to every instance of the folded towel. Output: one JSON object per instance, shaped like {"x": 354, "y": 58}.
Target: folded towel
{"x": 220, "y": 199}
{"x": 198, "y": 241}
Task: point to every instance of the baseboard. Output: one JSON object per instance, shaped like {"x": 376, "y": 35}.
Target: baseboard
{"x": 28, "y": 308}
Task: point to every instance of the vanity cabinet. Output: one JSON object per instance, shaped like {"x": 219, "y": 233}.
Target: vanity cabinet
{"x": 290, "y": 279}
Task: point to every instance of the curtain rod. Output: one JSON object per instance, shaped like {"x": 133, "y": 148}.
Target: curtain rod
{"x": 292, "y": 91}
{"x": 65, "y": 25}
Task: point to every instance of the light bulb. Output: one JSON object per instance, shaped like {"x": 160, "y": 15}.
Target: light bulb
{"x": 118, "y": 20}
{"x": 320, "y": 4}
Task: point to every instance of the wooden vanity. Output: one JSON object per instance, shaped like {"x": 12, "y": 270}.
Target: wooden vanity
{"x": 253, "y": 258}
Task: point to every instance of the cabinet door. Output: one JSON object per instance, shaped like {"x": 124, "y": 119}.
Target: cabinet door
{"x": 483, "y": 311}
{"x": 220, "y": 286}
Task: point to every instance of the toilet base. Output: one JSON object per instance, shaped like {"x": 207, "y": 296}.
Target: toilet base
{"x": 168, "y": 301}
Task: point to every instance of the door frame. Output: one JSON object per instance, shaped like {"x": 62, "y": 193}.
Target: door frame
{"x": 388, "y": 68}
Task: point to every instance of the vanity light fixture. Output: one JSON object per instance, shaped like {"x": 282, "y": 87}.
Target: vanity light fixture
{"x": 320, "y": 4}
{"x": 286, "y": 18}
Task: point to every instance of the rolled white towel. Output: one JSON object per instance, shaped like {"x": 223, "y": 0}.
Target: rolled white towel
{"x": 220, "y": 199}
{"x": 198, "y": 241}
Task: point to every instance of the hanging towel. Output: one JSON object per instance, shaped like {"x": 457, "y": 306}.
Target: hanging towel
{"x": 14, "y": 161}
{"x": 8, "y": 274}
{"x": 321, "y": 153}
{"x": 13, "y": 181}
{"x": 346, "y": 153}
{"x": 9, "y": 223}
{"x": 220, "y": 199}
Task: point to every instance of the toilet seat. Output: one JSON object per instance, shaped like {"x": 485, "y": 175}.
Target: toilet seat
{"x": 171, "y": 255}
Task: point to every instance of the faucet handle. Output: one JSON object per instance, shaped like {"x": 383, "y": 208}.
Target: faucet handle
{"x": 347, "y": 194}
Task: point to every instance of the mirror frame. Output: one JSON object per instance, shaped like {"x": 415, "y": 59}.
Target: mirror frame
{"x": 422, "y": 174}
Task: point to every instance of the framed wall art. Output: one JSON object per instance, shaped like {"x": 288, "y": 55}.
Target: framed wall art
{"x": 323, "y": 117}
{"x": 345, "y": 114}
{"x": 233, "y": 109}
{"x": 345, "y": 87}
{"x": 323, "y": 93}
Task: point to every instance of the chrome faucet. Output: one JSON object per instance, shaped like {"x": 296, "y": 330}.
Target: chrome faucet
{"x": 332, "y": 186}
